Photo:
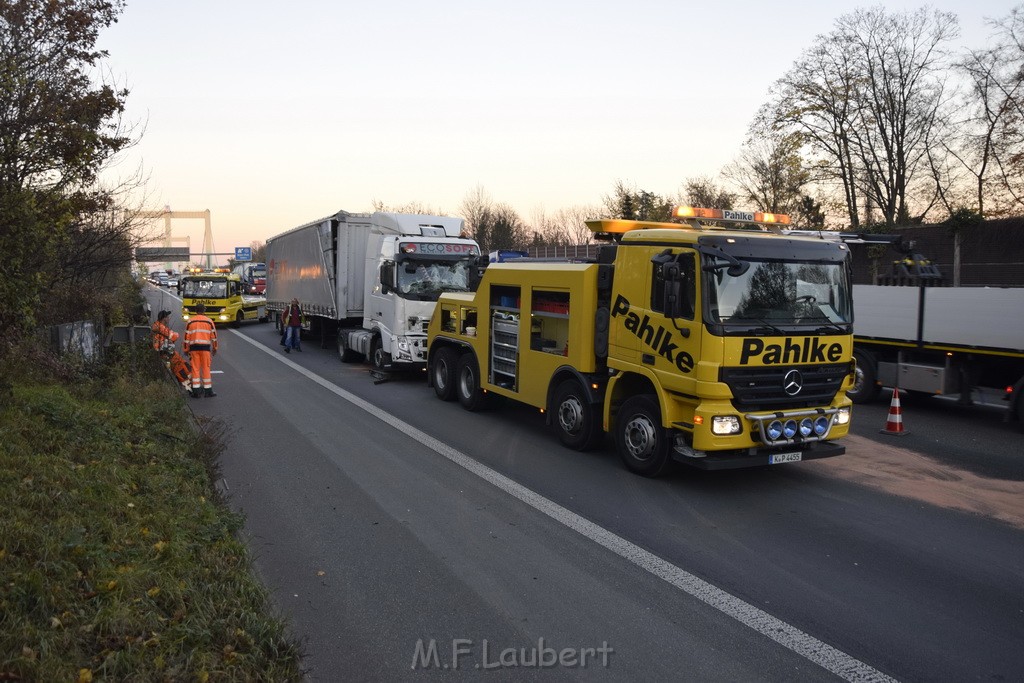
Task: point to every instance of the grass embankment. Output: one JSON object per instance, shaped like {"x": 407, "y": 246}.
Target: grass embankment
{"x": 118, "y": 561}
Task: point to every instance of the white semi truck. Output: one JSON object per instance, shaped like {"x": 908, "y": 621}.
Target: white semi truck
{"x": 370, "y": 281}
{"x": 960, "y": 343}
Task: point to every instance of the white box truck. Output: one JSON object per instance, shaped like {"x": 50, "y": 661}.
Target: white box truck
{"x": 370, "y": 281}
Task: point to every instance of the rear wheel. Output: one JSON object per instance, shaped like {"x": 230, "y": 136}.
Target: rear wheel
{"x": 576, "y": 419}
{"x": 865, "y": 385}
{"x": 642, "y": 442}
{"x": 442, "y": 373}
{"x": 345, "y": 352}
{"x": 467, "y": 384}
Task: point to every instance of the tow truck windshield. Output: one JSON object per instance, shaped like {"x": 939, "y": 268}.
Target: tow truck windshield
{"x": 781, "y": 293}
{"x": 205, "y": 289}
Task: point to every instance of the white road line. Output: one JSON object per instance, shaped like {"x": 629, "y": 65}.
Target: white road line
{"x": 790, "y": 637}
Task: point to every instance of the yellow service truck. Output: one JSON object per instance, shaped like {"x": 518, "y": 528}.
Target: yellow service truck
{"x": 719, "y": 348}
{"x": 224, "y": 298}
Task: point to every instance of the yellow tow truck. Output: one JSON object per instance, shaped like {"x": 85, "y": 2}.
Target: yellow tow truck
{"x": 224, "y": 298}
{"x": 718, "y": 348}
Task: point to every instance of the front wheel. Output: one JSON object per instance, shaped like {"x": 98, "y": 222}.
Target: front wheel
{"x": 576, "y": 418}
{"x": 865, "y": 385}
{"x": 378, "y": 357}
{"x": 239, "y": 317}
{"x": 442, "y": 373}
{"x": 467, "y": 384}
{"x": 642, "y": 442}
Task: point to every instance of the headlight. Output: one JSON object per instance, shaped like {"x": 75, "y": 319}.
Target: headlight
{"x": 843, "y": 416}
{"x": 222, "y": 317}
{"x": 725, "y": 424}
{"x": 789, "y": 429}
{"x": 806, "y": 427}
{"x": 403, "y": 345}
{"x": 774, "y": 430}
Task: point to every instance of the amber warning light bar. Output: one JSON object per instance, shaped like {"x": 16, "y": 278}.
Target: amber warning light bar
{"x": 728, "y": 215}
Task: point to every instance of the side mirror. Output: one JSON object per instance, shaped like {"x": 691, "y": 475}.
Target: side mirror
{"x": 673, "y": 290}
{"x": 387, "y": 277}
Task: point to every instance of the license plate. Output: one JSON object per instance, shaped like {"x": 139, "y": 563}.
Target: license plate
{"x": 778, "y": 458}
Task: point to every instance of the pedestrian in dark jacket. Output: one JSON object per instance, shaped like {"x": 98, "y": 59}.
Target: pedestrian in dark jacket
{"x": 293, "y": 322}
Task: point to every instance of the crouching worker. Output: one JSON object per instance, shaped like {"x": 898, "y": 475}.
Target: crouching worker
{"x": 162, "y": 334}
{"x": 201, "y": 344}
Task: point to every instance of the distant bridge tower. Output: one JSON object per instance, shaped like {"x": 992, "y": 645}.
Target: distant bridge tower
{"x": 167, "y": 215}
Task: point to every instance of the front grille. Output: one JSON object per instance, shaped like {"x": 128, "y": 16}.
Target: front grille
{"x": 763, "y": 388}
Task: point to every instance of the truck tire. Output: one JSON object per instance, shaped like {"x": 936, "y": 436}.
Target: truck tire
{"x": 378, "y": 358}
{"x": 239, "y": 317}
{"x": 865, "y": 386}
{"x": 442, "y": 373}
{"x": 576, "y": 419}
{"x": 467, "y": 384}
{"x": 640, "y": 439}
{"x": 345, "y": 352}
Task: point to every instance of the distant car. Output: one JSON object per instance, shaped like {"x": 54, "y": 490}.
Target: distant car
{"x": 162, "y": 279}
{"x": 172, "y": 281}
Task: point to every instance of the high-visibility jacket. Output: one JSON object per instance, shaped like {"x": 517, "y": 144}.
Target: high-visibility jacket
{"x": 200, "y": 334}
{"x": 161, "y": 334}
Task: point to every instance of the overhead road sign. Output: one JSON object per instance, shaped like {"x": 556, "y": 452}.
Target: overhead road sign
{"x": 162, "y": 254}
{"x": 243, "y": 253}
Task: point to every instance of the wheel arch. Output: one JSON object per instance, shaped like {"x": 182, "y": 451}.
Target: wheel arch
{"x": 623, "y": 386}
{"x": 567, "y": 372}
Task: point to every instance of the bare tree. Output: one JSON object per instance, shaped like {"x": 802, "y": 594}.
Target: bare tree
{"x": 704, "y": 191}
{"x": 1007, "y": 66}
{"x": 816, "y": 99}
{"x": 566, "y": 227}
{"x": 866, "y": 98}
{"x": 477, "y": 208}
{"x": 629, "y": 203}
{"x": 413, "y": 207}
{"x": 769, "y": 171}
{"x": 901, "y": 59}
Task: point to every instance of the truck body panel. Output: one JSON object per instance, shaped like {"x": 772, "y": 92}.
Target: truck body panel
{"x": 960, "y": 343}
{"x": 976, "y": 318}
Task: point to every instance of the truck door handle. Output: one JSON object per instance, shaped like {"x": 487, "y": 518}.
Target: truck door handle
{"x": 647, "y": 358}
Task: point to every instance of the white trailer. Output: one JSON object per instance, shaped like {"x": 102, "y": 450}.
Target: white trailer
{"x": 961, "y": 343}
{"x": 371, "y": 280}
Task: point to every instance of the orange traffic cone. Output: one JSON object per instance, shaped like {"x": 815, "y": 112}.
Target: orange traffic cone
{"x": 894, "y": 423}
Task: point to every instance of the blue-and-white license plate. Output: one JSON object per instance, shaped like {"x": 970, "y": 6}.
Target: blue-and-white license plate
{"x": 779, "y": 458}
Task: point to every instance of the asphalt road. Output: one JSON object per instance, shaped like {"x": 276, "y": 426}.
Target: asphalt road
{"x": 384, "y": 520}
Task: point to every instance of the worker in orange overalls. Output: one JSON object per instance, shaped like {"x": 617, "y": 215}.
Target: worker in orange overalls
{"x": 201, "y": 344}
{"x": 162, "y": 334}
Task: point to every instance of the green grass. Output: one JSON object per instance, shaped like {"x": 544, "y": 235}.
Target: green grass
{"x": 118, "y": 561}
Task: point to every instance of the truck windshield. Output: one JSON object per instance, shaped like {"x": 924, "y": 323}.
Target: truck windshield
{"x": 781, "y": 293}
{"x": 205, "y": 289}
{"x": 426, "y": 280}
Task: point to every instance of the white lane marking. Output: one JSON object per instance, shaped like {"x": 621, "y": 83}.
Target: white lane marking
{"x": 807, "y": 646}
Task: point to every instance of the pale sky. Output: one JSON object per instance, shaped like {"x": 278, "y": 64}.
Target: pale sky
{"x": 273, "y": 114}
